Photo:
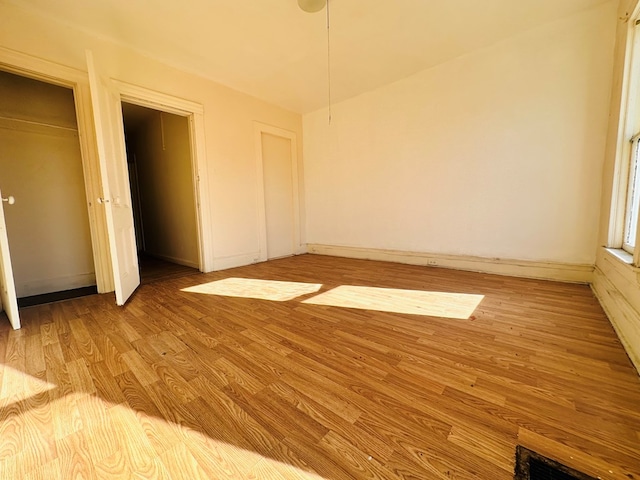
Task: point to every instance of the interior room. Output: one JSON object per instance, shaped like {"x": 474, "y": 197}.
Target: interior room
{"x": 160, "y": 176}
{"x": 320, "y": 239}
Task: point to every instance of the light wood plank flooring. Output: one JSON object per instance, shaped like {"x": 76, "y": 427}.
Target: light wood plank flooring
{"x": 179, "y": 384}
{"x": 153, "y": 269}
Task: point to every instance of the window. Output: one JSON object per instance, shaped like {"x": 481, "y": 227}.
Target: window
{"x": 633, "y": 197}
{"x": 624, "y": 232}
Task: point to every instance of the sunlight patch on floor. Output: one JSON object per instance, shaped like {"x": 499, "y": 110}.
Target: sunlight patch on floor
{"x": 416, "y": 302}
{"x": 130, "y": 442}
{"x": 273, "y": 290}
{"x": 20, "y": 385}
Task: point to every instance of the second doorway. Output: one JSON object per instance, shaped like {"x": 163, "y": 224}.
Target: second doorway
{"x": 159, "y": 160}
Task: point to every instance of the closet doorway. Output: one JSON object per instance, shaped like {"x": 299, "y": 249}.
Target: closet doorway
{"x": 41, "y": 167}
{"x": 278, "y": 178}
{"x": 159, "y": 160}
{"x": 278, "y": 192}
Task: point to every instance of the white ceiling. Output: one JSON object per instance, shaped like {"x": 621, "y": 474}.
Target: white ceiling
{"x": 273, "y": 50}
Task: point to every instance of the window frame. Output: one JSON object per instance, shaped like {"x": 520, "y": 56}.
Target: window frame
{"x": 628, "y": 141}
{"x": 632, "y": 200}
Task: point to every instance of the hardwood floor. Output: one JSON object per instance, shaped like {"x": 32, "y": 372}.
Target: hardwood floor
{"x": 179, "y": 384}
{"x": 153, "y": 269}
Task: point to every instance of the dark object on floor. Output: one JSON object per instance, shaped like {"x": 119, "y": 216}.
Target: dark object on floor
{"x": 56, "y": 296}
{"x": 533, "y": 466}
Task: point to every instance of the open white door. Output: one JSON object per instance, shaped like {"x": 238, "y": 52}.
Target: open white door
{"x": 116, "y": 198}
{"x": 7, "y": 284}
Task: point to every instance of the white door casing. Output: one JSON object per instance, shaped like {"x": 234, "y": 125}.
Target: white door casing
{"x": 293, "y": 173}
{"x": 162, "y": 102}
{"x": 116, "y": 196}
{"x": 7, "y": 284}
{"x": 278, "y": 195}
{"x": 56, "y": 74}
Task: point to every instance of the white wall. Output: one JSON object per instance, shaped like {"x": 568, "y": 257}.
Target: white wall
{"x": 494, "y": 154}
{"x": 41, "y": 166}
{"x": 163, "y": 157}
{"x": 228, "y": 119}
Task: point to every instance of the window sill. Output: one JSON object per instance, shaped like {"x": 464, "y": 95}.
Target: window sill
{"x": 622, "y": 255}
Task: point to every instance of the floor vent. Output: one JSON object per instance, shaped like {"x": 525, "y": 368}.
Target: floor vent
{"x": 533, "y": 466}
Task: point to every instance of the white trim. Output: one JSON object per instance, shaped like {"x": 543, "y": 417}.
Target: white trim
{"x": 628, "y": 125}
{"x": 157, "y": 100}
{"x": 195, "y": 113}
{"x": 621, "y": 255}
{"x": 259, "y": 129}
{"x": 46, "y": 71}
{"x": 39, "y": 69}
{"x": 93, "y": 182}
{"x": 624, "y": 318}
{"x": 564, "y": 272}
{"x": 615, "y": 234}
{"x": 233, "y": 261}
{"x": 201, "y": 183}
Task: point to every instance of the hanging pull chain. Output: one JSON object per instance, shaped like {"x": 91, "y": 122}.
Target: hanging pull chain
{"x": 329, "y": 60}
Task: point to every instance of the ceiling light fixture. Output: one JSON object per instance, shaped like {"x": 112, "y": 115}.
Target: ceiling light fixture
{"x": 312, "y": 6}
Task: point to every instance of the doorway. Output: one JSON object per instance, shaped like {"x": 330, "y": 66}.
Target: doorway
{"x": 41, "y": 167}
{"x": 278, "y": 195}
{"x": 278, "y": 192}
{"x": 159, "y": 161}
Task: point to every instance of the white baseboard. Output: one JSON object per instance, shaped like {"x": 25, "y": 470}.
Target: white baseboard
{"x": 58, "y": 284}
{"x": 564, "y": 272}
{"x": 233, "y": 261}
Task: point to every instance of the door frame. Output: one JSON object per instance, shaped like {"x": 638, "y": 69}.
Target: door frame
{"x": 259, "y": 129}
{"x": 194, "y": 112}
{"x": 77, "y": 80}
{"x": 49, "y": 72}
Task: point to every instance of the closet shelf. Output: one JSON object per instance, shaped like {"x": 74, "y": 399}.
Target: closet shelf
{"x": 36, "y": 124}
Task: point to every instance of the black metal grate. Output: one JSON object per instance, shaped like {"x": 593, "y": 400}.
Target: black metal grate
{"x": 533, "y": 466}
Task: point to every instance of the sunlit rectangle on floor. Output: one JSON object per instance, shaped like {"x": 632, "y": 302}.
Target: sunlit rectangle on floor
{"x": 416, "y": 302}
{"x": 273, "y": 290}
